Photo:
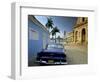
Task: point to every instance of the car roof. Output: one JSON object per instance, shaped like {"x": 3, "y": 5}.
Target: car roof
{"x": 55, "y": 44}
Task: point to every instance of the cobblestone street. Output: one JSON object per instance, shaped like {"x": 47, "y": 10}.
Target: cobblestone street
{"x": 76, "y": 54}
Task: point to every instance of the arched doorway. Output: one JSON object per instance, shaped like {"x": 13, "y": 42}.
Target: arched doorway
{"x": 83, "y": 35}
{"x": 76, "y": 36}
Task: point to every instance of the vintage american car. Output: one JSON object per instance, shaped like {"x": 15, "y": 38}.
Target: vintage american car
{"x": 54, "y": 54}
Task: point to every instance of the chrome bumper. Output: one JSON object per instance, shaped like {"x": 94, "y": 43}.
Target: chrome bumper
{"x": 55, "y": 63}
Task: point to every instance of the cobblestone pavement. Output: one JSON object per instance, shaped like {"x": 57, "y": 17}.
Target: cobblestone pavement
{"x": 76, "y": 54}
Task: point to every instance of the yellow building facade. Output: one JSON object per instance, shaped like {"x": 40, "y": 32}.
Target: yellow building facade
{"x": 79, "y": 35}
{"x": 70, "y": 37}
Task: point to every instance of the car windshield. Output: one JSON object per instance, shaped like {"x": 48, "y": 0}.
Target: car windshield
{"x": 52, "y": 46}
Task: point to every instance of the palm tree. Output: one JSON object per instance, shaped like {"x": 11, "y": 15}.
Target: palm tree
{"x": 49, "y": 23}
{"x": 54, "y": 31}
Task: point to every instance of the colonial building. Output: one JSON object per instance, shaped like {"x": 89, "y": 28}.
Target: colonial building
{"x": 81, "y": 31}
{"x": 79, "y": 35}
{"x": 38, "y": 37}
{"x": 70, "y": 37}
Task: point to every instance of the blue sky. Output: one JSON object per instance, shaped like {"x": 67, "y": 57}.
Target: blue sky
{"x": 63, "y": 23}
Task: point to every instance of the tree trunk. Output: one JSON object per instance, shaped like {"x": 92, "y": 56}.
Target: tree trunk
{"x": 59, "y": 40}
{"x": 55, "y": 37}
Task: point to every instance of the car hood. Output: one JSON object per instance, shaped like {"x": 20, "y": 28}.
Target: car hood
{"x": 54, "y": 50}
